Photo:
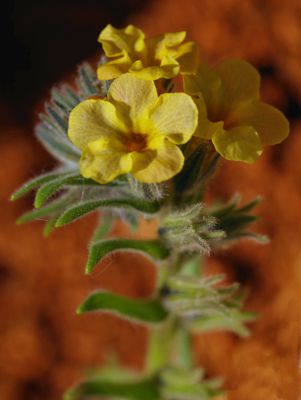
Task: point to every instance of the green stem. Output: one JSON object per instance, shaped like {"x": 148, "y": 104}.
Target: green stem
{"x": 185, "y": 358}
{"x": 190, "y": 267}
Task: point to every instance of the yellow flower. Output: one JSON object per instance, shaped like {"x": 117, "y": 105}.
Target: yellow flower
{"x": 231, "y": 114}
{"x": 161, "y": 56}
{"x": 133, "y": 131}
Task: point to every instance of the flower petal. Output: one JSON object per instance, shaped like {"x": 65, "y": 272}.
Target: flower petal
{"x": 117, "y": 41}
{"x": 238, "y": 144}
{"x": 134, "y": 98}
{"x": 205, "y": 129}
{"x": 124, "y": 46}
{"x": 188, "y": 58}
{"x": 168, "y": 161}
{"x": 166, "y": 44}
{"x": 113, "y": 69}
{"x": 103, "y": 160}
{"x": 92, "y": 119}
{"x": 240, "y": 82}
{"x": 168, "y": 69}
{"x": 167, "y": 40}
{"x": 175, "y": 116}
{"x": 270, "y": 123}
{"x": 141, "y": 160}
{"x": 207, "y": 83}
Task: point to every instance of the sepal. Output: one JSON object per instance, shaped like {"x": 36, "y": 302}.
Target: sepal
{"x": 203, "y": 306}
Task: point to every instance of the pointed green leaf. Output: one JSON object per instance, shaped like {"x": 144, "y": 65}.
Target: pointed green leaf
{"x": 227, "y": 209}
{"x": 59, "y": 118}
{"x": 49, "y": 188}
{"x": 35, "y": 182}
{"x": 54, "y": 207}
{"x": 152, "y": 248}
{"x": 249, "y": 206}
{"x": 88, "y": 206}
{"x": 87, "y": 81}
{"x": 256, "y": 237}
{"x": 232, "y": 321}
{"x": 148, "y": 311}
{"x": 235, "y": 222}
{"x": 49, "y": 226}
{"x": 103, "y": 228}
{"x": 147, "y": 389}
{"x": 228, "y": 290}
{"x": 59, "y": 147}
{"x": 65, "y": 98}
{"x": 191, "y": 170}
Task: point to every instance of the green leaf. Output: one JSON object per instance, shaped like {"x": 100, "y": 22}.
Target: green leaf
{"x": 49, "y": 226}
{"x": 235, "y": 222}
{"x": 65, "y": 98}
{"x": 49, "y": 188}
{"x": 88, "y": 206}
{"x": 148, "y": 311}
{"x": 190, "y": 172}
{"x": 103, "y": 228}
{"x": 181, "y": 383}
{"x": 145, "y": 389}
{"x": 256, "y": 237}
{"x": 59, "y": 118}
{"x": 224, "y": 210}
{"x": 232, "y": 321}
{"x": 54, "y": 207}
{"x": 99, "y": 249}
{"x": 249, "y": 206}
{"x": 87, "y": 81}
{"x": 59, "y": 147}
{"x": 35, "y": 182}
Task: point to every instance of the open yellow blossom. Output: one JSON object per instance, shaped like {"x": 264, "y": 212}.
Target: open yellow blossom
{"x": 133, "y": 131}
{"x": 231, "y": 114}
{"x": 162, "y": 56}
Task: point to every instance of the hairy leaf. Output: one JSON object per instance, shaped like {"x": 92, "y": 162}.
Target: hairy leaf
{"x": 49, "y": 188}
{"x": 98, "y": 250}
{"x": 145, "y": 389}
{"x": 35, "y": 182}
{"x": 60, "y": 148}
{"x": 55, "y": 207}
{"x": 103, "y": 228}
{"x": 148, "y": 311}
{"x": 232, "y": 321}
{"x": 50, "y": 226}
{"x": 88, "y": 206}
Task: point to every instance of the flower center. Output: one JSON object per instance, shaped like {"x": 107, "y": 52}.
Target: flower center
{"x": 136, "y": 142}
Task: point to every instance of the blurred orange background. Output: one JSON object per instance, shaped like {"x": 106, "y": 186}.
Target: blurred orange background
{"x": 44, "y": 346}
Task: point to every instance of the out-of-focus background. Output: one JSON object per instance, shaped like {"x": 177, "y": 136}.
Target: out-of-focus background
{"x": 44, "y": 346}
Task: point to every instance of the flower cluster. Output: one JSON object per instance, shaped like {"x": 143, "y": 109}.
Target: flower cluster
{"x": 133, "y": 130}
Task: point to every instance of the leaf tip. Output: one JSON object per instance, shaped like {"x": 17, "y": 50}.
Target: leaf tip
{"x": 59, "y": 223}
{"x": 37, "y": 203}
{"x": 70, "y": 395}
{"x": 46, "y": 233}
{"x": 79, "y": 310}
{"x": 20, "y": 220}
